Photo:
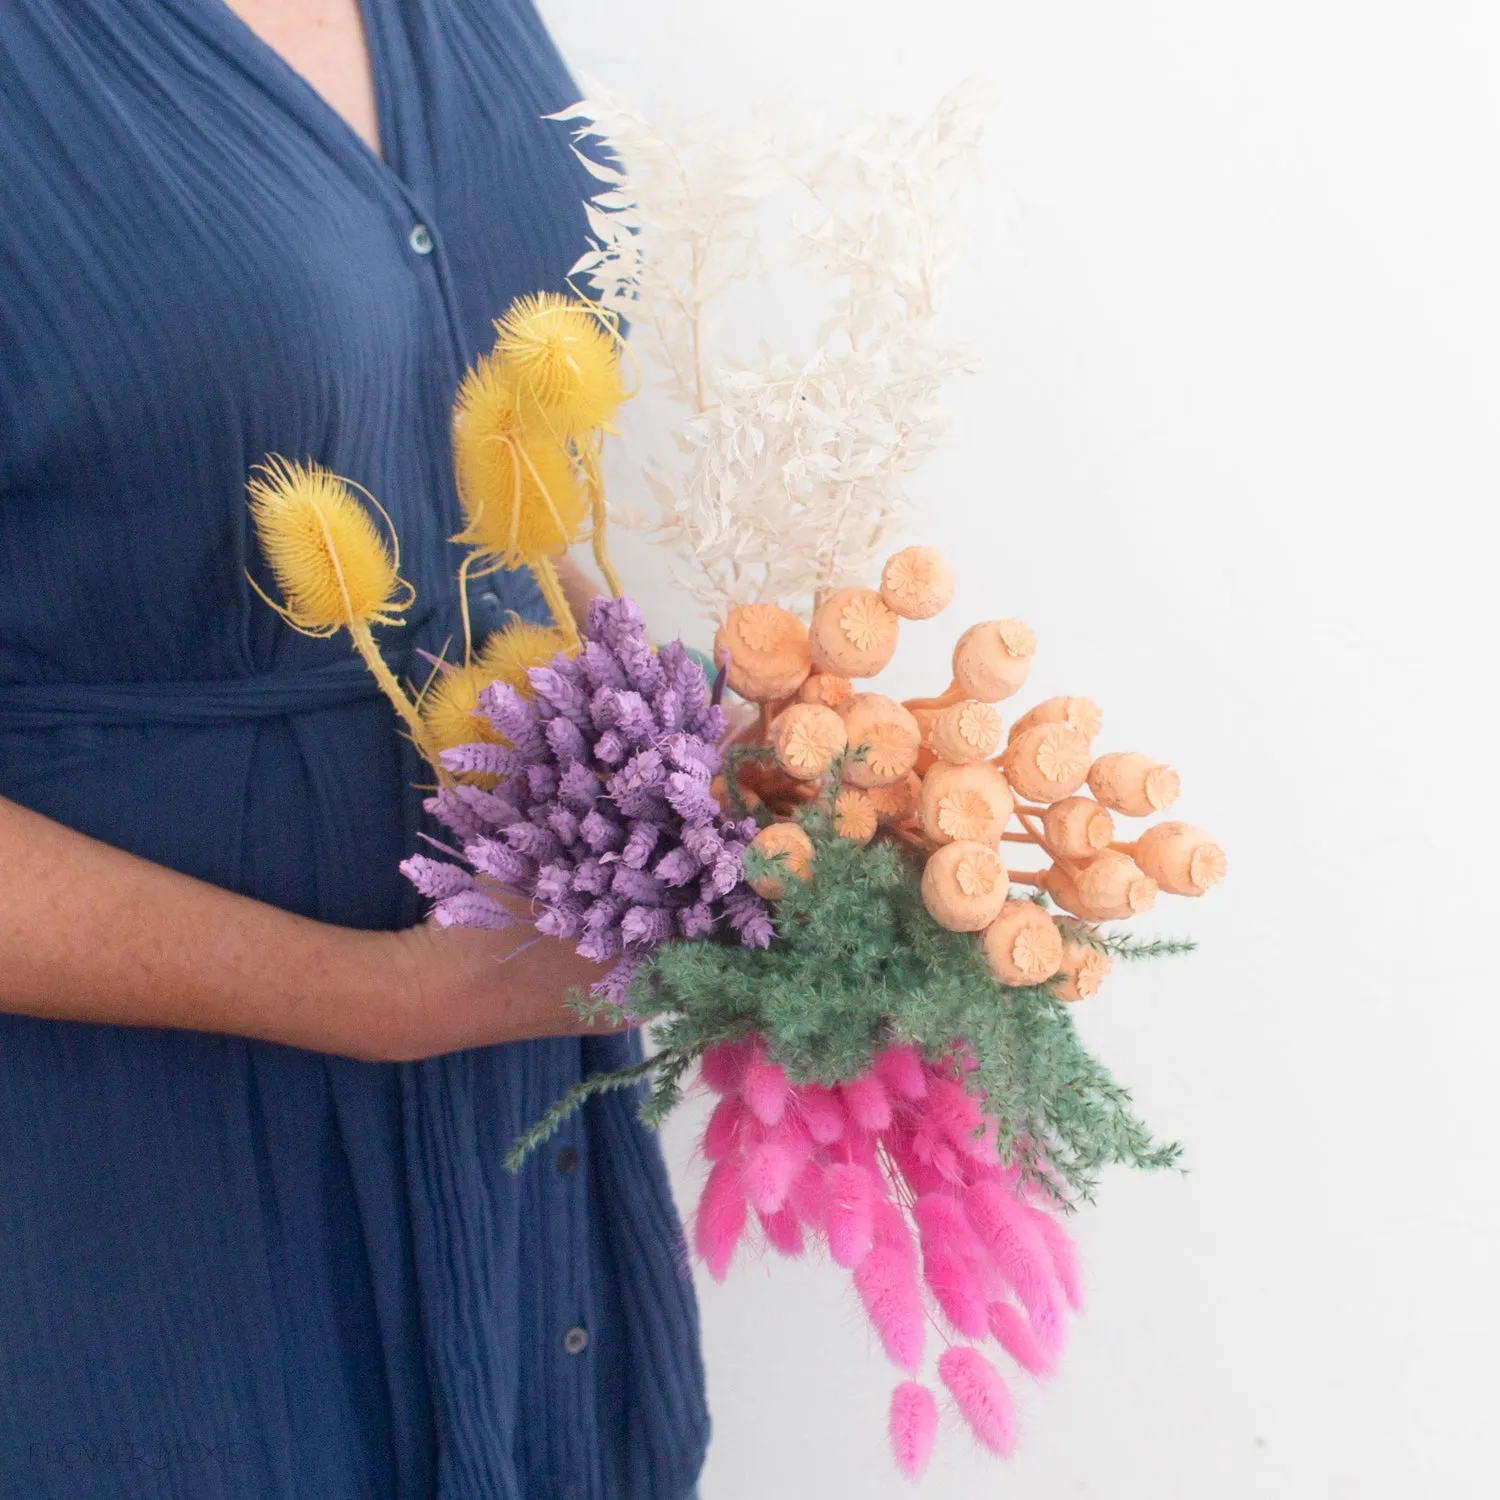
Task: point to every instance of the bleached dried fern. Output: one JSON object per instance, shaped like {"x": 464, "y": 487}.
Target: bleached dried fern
{"x": 792, "y": 467}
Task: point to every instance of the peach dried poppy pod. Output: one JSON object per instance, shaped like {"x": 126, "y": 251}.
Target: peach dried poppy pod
{"x": 792, "y": 850}
{"x": 883, "y": 740}
{"x": 767, "y": 650}
{"x": 899, "y": 799}
{"x": 1107, "y": 889}
{"x": 1134, "y": 784}
{"x": 993, "y": 659}
{"x": 808, "y": 738}
{"x": 1180, "y": 858}
{"x": 964, "y": 802}
{"x": 1081, "y": 971}
{"x": 1077, "y": 828}
{"x": 1082, "y": 714}
{"x": 1048, "y": 762}
{"x": 826, "y": 689}
{"x": 719, "y": 790}
{"x": 854, "y": 815}
{"x": 965, "y": 732}
{"x": 964, "y": 885}
{"x": 917, "y": 583}
{"x": 853, "y": 633}
{"x": 1023, "y": 945}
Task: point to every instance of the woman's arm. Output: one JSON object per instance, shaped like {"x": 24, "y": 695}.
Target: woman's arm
{"x": 90, "y": 933}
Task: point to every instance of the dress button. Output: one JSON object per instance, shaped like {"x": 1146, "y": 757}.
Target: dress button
{"x": 420, "y": 239}
{"x": 567, "y": 1161}
{"x": 576, "y": 1340}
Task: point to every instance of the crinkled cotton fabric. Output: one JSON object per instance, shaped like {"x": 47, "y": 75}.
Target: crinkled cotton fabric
{"x": 230, "y": 1270}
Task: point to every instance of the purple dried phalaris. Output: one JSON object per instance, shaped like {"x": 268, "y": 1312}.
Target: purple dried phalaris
{"x": 792, "y": 851}
{"x": 1107, "y": 889}
{"x": 899, "y": 799}
{"x": 993, "y": 659}
{"x": 854, "y": 815}
{"x": 1023, "y": 945}
{"x": 883, "y": 740}
{"x": 1081, "y": 971}
{"x": 965, "y": 732}
{"x": 1077, "y": 828}
{"x": 964, "y": 802}
{"x": 964, "y": 885}
{"x": 826, "y": 689}
{"x": 1047, "y": 762}
{"x": 917, "y": 583}
{"x": 767, "y": 650}
{"x": 808, "y": 738}
{"x": 1133, "y": 784}
{"x": 853, "y": 633}
{"x": 1180, "y": 858}
{"x": 1082, "y": 714}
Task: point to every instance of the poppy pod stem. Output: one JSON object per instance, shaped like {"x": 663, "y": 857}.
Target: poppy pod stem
{"x": 557, "y": 601}
{"x": 1023, "y": 816}
{"x": 1027, "y": 877}
{"x": 1020, "y": 838}
{"x": 952, "y": 694}
{"x": 369, "y": 652}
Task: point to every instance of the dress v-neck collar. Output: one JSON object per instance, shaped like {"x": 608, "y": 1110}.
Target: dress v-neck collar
{"x": 225, "y": 28}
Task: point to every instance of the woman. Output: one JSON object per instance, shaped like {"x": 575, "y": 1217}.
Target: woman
{"x": 257, "y": 1238}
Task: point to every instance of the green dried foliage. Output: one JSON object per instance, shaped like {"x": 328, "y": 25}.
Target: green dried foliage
{"x": 858, "y": 965}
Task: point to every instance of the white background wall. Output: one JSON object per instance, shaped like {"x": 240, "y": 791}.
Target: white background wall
{"x": 1241, "y": 313}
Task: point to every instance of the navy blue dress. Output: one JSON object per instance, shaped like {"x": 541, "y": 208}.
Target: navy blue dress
{"x": 230, "y": 1269}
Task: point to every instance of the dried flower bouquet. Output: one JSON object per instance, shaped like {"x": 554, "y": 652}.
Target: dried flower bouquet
{"x": 812, "y": 910}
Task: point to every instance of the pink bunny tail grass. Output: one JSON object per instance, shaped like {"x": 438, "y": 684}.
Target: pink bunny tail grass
{"x": 956, "y": 1290}
{"x": 820, "y": 1111}
{"x": 892, "y": 1232}
{"x": 783, "y": 1232}
{"x": 723, "y": 1067}
{"x": 765, "y": 1088}
{"x": 1015, "y": 1335}
{"x": 1007, "y": 1229}
{"x": 887, "y": 1286}
{"x": 806, "y": 1196}
{"x": 981, "y": 1397}
{"x": 913, "y": 1426}
{"x": 868, "y": 1103}
{"x": 721, "y": 1136}
{"x": 955, "y": 1112}
{"x": 721, "y": 1218}
{"x": 1064, "y": 1255}
{"x": 768, "y": 1174}
{"x": 849, "y": 1195}
{"x": 900, "y": 1070}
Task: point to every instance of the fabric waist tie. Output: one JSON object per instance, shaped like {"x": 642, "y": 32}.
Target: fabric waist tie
{"x": 50, "y": 705}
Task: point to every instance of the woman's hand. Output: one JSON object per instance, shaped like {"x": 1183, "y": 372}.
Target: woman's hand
{"x": 90, "y": 933}
{"x": 457, "y": 987}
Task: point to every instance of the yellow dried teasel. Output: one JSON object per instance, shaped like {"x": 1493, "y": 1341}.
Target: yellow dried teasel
{"x": 564, "y": 356}
{"x": 333, "y": 568}
{"x": 519, "y": 485}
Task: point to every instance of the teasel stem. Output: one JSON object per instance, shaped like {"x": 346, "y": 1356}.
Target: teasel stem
{"x": 594, "y": 476}
{"x": 557, "y": 600}
{"x": 364, "y": 643}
